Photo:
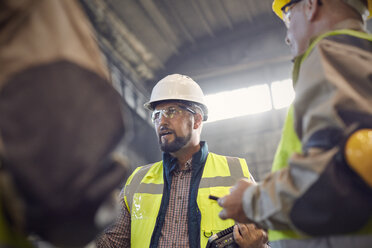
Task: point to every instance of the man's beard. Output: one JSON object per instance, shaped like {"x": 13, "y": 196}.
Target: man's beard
{"x": 175, "y": 145}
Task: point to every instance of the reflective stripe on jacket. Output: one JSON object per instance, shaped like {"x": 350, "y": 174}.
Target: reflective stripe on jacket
{"x": 144, "y": 189}
{"x": 291, "y": 144}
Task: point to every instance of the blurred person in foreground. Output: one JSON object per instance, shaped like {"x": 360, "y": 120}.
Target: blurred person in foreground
{"x": 166, "y": 204}
{"x": 320, "y": 193}
{"x": 60, "y": 124}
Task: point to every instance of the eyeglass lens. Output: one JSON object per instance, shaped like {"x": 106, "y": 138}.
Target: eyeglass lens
{"x": 169, "y": 112}
{"x": 286, "y": 11}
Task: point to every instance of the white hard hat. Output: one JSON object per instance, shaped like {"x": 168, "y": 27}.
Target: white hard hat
{"x": 178, "y": 87}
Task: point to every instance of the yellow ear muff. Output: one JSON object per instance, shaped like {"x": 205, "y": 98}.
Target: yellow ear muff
{"x": 358, "y": 154}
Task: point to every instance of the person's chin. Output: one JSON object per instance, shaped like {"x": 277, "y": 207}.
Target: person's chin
{"x": 165, "y": 146}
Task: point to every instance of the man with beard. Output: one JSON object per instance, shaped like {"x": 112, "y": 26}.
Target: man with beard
{"x": 166, "y": 204}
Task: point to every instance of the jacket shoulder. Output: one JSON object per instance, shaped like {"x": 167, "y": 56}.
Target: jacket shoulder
{"x": 350, "y": 40}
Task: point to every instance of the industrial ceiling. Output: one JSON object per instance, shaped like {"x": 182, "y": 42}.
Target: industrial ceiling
{"x": 200, "y": 38}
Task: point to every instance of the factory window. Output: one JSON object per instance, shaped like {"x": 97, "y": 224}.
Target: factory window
{"x": 250, "y": 100}
{"x": 282, "y": 93}
{"x": 245, "y": 101}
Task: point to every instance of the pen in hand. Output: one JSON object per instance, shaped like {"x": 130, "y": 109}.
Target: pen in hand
{"x": 212, "y": 197}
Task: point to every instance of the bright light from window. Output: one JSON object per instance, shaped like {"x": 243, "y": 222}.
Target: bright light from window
{"x": 245, "y": 101}
{"x": 283, "y": 93}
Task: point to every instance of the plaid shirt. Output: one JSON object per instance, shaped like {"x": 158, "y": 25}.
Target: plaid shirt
{"x": 174, "y": 232}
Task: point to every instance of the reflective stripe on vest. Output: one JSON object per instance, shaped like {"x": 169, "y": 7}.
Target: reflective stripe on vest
{"x": 290, "y": 143}
{"x": 143, "y": 194}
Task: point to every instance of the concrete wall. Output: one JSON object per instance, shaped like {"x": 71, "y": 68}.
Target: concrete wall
{"x": 253, "y": 137}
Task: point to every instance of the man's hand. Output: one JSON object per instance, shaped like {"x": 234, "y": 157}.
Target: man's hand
{"x": 249, "y": 236}
{"x": 233, "y": 204}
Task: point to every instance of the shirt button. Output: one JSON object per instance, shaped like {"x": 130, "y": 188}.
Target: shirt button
{"x": 180, "y": 198}
{"x": 176, "y": 221}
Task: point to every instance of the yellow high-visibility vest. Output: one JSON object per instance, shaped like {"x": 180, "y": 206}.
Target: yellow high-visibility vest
{"x": 144, "y": 190}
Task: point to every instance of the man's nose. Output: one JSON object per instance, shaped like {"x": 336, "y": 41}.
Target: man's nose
{"x": 162, "y": 120}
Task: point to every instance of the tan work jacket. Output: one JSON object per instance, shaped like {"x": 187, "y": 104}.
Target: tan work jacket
{"x": 333, "y": 90}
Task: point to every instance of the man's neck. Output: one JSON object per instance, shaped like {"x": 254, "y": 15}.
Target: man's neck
{"x": 185, "y": 154}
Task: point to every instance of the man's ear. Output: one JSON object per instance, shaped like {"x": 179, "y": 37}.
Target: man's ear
{"x": 198, "y": 120}
{"x": 312, "y": 9}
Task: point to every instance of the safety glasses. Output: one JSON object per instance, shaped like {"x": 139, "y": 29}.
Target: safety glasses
{"x": 286, "y": 9}
{"x": 169, "y": 112}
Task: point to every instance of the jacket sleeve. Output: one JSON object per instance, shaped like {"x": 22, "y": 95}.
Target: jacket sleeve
{"x": 317, "y": 191}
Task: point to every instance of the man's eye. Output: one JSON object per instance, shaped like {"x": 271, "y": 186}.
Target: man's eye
{"x": 156, "y": 115}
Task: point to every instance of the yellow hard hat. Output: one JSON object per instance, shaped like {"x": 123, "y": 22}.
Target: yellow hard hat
{"x": 278, "y": 4}
{"x": 277, "y": 7}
